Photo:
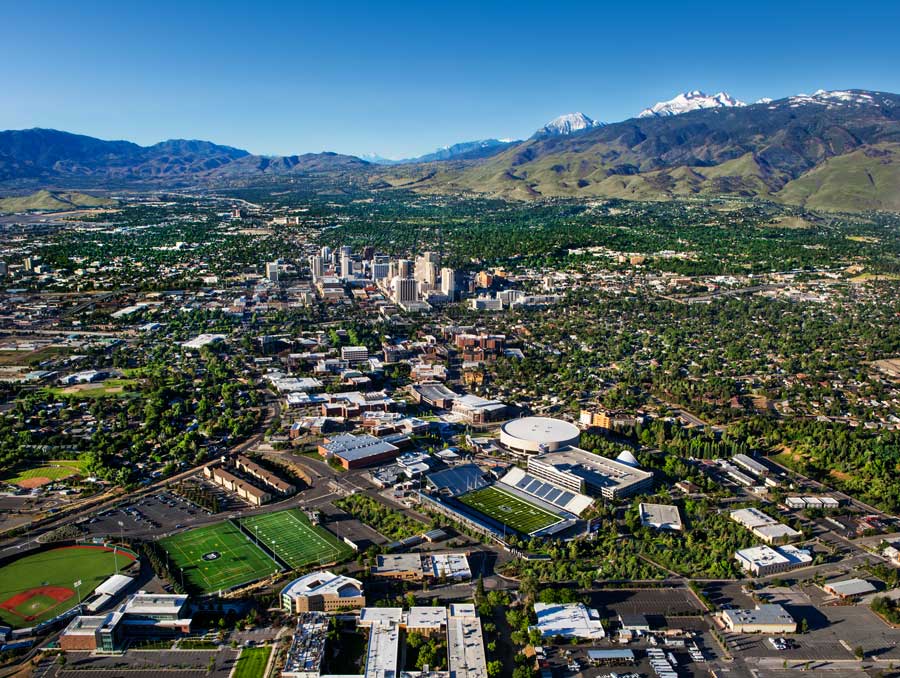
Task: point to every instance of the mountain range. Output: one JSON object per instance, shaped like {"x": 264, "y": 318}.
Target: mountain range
{"x": 830, "y": 150}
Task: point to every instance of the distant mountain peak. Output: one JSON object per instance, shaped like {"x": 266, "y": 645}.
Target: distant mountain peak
{"x": 690, "y": 101}
{"x": 567, "y": 124}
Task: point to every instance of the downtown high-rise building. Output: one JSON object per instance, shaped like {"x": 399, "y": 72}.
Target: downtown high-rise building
{"x": 316, "y": 266}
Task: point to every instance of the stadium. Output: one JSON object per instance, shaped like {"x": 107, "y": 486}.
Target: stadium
{"x": 508, "y": 507}
{"x": 560, "y": 483}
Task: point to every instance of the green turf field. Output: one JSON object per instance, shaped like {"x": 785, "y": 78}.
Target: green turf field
{"x": 239, "y": 560}
{"x": 509, "y": 509}
{"x": 41, "y": 586}
{"x": 291, "y": 537}
{"x": 252, "y": 662}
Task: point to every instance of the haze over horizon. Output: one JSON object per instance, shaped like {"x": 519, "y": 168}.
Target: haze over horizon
{"x": 403, "y": 80}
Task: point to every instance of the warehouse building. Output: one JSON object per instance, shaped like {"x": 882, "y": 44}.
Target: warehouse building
{"x": 568, "y": 620}
{"x": 765, "y": 527}
{"x": 769, "y": 618}
{"x": 761, "y": 561}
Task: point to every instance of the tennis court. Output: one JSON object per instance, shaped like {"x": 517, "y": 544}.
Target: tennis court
{"x": 218, "y": 557}
{"x": 291, "y": 537}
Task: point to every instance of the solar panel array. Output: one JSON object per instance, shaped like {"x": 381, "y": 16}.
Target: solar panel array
{"x": 546, "y": 491}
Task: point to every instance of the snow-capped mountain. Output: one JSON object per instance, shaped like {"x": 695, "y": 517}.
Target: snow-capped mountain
{"x": 838, "y": 97}
{"x": 690, "y": 101}
{"x": 567, "y": 124}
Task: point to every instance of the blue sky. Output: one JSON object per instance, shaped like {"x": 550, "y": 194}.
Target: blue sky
{"x": 401, "y": 79}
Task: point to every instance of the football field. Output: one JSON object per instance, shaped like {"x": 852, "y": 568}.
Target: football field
{"x": 290, "y": 536}
{"x": 218, "y": 557}
{"x": 508, "y": 509}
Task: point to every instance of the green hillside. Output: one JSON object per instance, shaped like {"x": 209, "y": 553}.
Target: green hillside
{"x": 52, "y": 201}
{"x": 862, "y": 180}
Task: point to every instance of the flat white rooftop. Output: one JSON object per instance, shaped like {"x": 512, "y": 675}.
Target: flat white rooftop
{"x": 660, "y": 516}
{"x": 570, "y": 620}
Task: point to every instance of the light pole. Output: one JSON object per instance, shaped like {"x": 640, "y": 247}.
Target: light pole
{"x": 77, "y": 585}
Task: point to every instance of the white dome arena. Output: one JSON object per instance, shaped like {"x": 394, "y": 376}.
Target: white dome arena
{"x": 533, "y": 435}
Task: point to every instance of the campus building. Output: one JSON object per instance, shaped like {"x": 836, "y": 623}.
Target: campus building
{"x": 588, "y": 473}
{"x": 358, "y": 451}
{"x": 323, "y": 592}
{"x": 765, "y": 527}
{"x": 143, "y": 615}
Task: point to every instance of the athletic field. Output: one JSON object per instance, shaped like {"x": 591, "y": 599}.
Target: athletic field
{"x": 218, "y": 557}
{"x": 289, "y": 535}
{"x": 45, "y": 473}
{"x": 41, "y": 586}
{"x": 508, "y": 509}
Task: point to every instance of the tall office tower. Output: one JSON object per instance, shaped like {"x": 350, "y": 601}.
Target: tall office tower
{"x": 272, "y": 271}
{"x": 346, "y": 251}
{"x": 368, "y": 253}
{"x": 405, "y": 268}
{"x": 405, "y": 289}
{"x": 380, "y": 270}
{"x": 4, "y": 269}
{"x": 394, "y": 270}
{"x": 448, "y": 282}
{"x": 316, "y": 266}
{"x": 325, "y": 253}
{"x": 346, "y": 266}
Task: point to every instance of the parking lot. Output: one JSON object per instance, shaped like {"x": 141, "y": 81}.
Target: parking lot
{"x": 835, "y": 631}
{"x": 141, "y": 664}
{"x": 648, "y": 602}
{"x": 149, "y": 516}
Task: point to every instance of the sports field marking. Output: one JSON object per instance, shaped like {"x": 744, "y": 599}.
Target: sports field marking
{"x": 293, "y": 539}
{"x": 240, "y": 561}
{"x": 509, "y": 510}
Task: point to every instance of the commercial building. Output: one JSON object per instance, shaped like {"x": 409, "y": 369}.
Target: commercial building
{"x": 533, "y": 435}
{"x": 569, "y": 620}
{"x": 323, "y": 592}
{"x": 750, "y": 464}
{"x": 143, "y": 615}
{"x": 849, "y": 588}
{"x": 761, "y": 561}
{"x": 358, "y": 451}
{"x": 660, "y": 516}
{"x": 823, "y": 503}
{"x": 765, "y": 527}
{"x": 272, "y": 271}
{"x": 769, "y": 618}
{"x": 354, "y": 354}
{"x": 587, "y": 473}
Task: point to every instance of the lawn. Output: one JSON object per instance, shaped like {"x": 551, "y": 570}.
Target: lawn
{"x": 290, "y": 536}
{"x": 508, "y": 509}
{"x": 110, "y": 387}
{"x": 40, "y": 586}
{"x": 252, "y": 662}
{"x": 46, "y": 472}
{"x": 217, "y": 557}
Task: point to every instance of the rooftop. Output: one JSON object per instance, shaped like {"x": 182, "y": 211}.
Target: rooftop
{"x": 571, "y": 620}
{"x": 763, "y": 614}
{"x": 541, "y": 430}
